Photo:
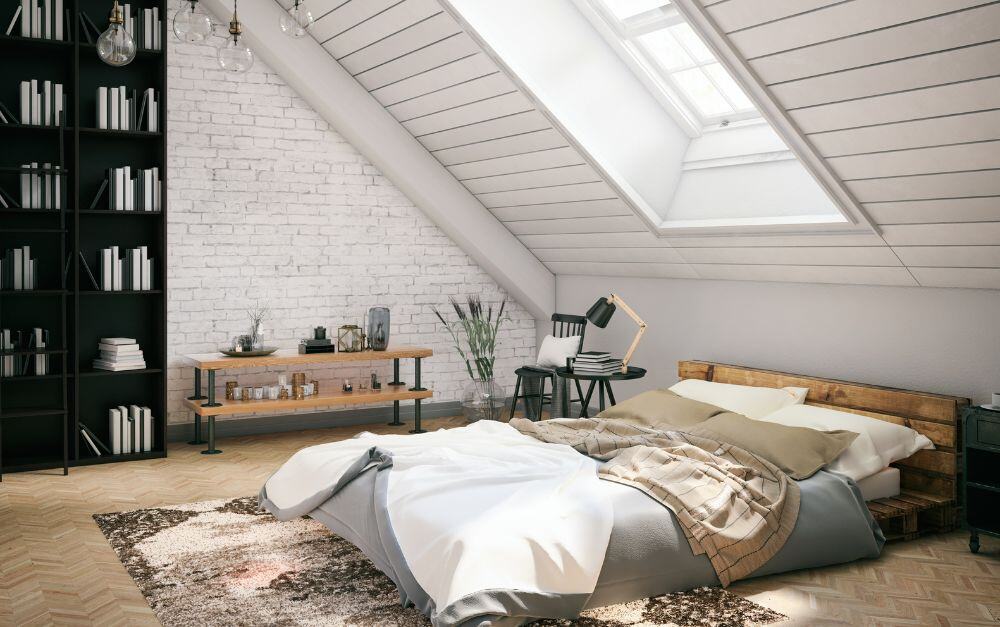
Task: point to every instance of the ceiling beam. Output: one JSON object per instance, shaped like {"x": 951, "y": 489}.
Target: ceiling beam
{"x": 348, "y": 107}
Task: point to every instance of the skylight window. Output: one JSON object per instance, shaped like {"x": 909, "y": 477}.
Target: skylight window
{"x": 672, "y": 55}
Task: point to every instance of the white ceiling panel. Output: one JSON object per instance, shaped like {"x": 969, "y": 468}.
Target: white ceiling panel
{"x": 939, "y": 131}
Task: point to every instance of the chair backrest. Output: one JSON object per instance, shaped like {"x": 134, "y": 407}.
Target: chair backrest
{"x": 568, "y": 325}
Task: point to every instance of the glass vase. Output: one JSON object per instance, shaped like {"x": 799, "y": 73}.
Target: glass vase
{"x": 483, "y": 400}
{"x": 378, "y": 328}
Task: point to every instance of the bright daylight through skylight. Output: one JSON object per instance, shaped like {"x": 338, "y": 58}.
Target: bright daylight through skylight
{"x": 676, "y": 59}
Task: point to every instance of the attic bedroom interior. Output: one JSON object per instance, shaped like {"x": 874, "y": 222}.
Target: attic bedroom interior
{"x": 466, "y": 313}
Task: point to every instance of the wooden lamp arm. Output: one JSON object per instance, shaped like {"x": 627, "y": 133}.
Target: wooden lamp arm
{"x": 617, "y": 300}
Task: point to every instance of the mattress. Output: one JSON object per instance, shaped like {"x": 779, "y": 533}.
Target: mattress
{"x": 883, "y": 484}
{"x": 648, "y": 554}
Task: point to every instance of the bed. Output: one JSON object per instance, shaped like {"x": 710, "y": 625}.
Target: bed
{"x": 646, "y": 551}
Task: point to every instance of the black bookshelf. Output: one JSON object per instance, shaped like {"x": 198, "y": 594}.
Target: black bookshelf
{"x": 40, "y": 415}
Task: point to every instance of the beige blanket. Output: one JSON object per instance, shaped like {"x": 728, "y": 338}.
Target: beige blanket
{"x": 734, "y": 507}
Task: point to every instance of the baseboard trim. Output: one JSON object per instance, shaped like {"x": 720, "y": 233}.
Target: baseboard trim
{"x": 320, "y": 420}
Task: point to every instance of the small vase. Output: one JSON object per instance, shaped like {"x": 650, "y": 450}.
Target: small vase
{"x": 378, "y": 328}
{"x": 483, "y": 400}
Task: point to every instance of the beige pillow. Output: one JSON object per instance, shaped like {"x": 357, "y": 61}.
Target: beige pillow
{"x": 799, "y": 451}
{"x": 661, "y": 409}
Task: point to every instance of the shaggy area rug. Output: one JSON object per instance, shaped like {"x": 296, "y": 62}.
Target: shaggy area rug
{"x": 227, "y": 563}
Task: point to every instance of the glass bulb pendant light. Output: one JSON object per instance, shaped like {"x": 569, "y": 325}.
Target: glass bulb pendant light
{"x": 190, "y": 24}
{"x": 234, "y": 55}
{"x": 296, "y": 20}
{"x": 115, "y": 46}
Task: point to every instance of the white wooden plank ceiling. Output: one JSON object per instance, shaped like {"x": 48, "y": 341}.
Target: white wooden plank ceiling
{"x": 901, "y": 98}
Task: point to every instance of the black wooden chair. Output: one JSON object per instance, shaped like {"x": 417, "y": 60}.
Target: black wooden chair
{"x": 534, "y": 378}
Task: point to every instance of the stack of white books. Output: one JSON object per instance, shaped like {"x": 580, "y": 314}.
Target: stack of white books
{"x": 118, "y": 354}
{"x": 130, "y": 430}
{"x": 40, "y": 187}
{"x": 596, "y": 362}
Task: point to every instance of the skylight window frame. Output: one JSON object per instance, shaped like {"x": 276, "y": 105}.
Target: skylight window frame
{"x": 628, "y": 31}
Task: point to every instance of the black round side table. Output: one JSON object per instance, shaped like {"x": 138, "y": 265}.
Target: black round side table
{"x": 601, "y": 381}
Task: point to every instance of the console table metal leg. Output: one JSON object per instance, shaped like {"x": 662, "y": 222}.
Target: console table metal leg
{"x": 395, "y": 374}
{"x": 585, "y": 409}
{"x": 611, "y": 395}
{"x": 197, "y": 396}
{"x": 211, "y": 450}
{"x": 416, "y": 403}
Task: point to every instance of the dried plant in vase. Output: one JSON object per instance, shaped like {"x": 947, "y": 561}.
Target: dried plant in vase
{"x": 474, "y": 334}
{"x": 257, "y": 314}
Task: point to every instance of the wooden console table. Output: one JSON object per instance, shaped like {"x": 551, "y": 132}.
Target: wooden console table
{"x": 394, "y": 390}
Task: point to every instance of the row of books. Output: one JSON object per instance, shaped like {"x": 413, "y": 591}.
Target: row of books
{"x": 41, "y": 187}
{"x": 145, "y": 27}
{"x": 42, "y": 104}
{"x": 130, "y": 429}
{"x": 40, "y": 19}
{"x": 596, "y": 362}
{"x": 18, "y": 271}
{"x": 132, "y": 272}
{"x": 118, "y": 111}
{"x": 143, "y": 192}
{"x": 23, "y": 365}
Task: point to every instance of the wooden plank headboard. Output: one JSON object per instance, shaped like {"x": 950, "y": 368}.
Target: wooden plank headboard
{"x": 937, "y": 416}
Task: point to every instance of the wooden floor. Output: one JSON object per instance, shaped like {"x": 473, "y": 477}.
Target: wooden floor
{"x": 57, "y": 568}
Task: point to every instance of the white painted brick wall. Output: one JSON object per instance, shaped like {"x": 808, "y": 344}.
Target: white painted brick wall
{"x": 268, "y": 202}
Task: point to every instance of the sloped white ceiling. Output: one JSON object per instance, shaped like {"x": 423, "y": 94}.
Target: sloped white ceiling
{"x": 900, "y": 98}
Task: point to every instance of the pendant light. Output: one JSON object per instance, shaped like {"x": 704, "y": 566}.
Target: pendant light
{"x": 296, "y": 20}
{"x": 234, "y": 55}
{"x": 115, "y": 46}
{"x": 190, "y": 24}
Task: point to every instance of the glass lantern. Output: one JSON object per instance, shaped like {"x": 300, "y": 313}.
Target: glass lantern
{"x": 349, "y": 339}
{"x": 378, "y": 328}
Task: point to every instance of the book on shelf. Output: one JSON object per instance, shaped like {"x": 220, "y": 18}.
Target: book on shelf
{"x": 40, "y": 19}
{"x": 133, "y": 190}
{"x": 117, "y": 110}
{"x": 100, "y": 445}
{"x": 133, "y": 272}
{"x": 18, "y": 271}
{"x": 41, "y": 186}
{"x": 89, "y": 442}
{"x": 130, "y": 429}
{"x": 42, "y": 104}
{"x": 144, "y": 26}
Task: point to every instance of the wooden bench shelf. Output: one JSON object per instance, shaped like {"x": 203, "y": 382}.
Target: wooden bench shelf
{"x": 323, "y": 399}
{"x": 392, "y": 391}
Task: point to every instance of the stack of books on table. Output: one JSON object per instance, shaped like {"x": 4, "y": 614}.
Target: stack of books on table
{"x": 596, "y": 362}
{"x": 118, "y": 354}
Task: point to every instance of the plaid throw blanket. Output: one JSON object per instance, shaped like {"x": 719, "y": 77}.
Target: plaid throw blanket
{"x": 735, "y": 507}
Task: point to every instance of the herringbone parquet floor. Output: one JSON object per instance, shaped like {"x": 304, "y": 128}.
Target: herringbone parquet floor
{"x": 56, "y": 567}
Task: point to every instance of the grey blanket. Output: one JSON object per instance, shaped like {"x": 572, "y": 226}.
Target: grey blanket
{"x": 648, "y": 554}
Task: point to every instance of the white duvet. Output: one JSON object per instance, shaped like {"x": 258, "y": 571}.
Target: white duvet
{"x": 477, "y": 508}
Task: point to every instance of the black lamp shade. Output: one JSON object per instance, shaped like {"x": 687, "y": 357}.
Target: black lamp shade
{"x": 600, "y": 312}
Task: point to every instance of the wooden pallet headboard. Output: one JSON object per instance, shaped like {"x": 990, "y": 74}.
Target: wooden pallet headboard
{"x": 934, "y": 415}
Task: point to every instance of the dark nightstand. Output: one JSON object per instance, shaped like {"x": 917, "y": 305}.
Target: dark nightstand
{"x": 981, "y": 476}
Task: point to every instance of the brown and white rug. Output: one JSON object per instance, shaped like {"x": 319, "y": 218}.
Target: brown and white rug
{"x": 226, "y": 563}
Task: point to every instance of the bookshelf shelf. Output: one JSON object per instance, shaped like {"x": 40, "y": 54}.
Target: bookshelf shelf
{"x": 82, "y": 156}
{"x": 32, "y": 412}
{"x": 109, "y": 373}
{"x": 102, "y": 132}
{"x": 120, "y": 292}
{"x": 110, "y": 212}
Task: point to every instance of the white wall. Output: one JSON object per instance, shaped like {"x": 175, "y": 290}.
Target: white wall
{"x": 933, "y": 340}
{"x": 268, "y": 202}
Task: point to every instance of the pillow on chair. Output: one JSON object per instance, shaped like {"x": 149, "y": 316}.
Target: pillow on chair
{"x": 555, "y": 351}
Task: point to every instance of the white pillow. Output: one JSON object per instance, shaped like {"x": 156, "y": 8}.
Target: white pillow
{"x": 879, "y": 443}
{"x": 555, "y": 350}
{"x": 752, "y": 402}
